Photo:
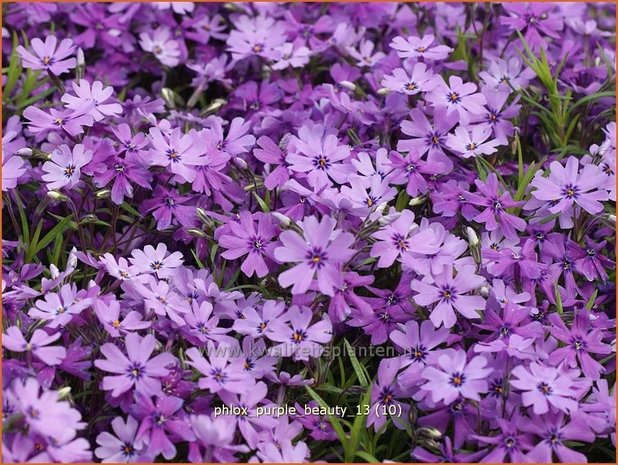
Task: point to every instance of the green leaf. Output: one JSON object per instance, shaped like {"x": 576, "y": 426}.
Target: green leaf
{"x": 358, "y": 427}
{"x": 559, "y": 307}
{"x": 265, "y": 208}
{"x": 128, "y": 208}
{"x": 14, "y": 69}
{"x": 367, "y": 457}
{"x": 592, "y": 97}
{"x": 197, "y": 259}
{"x": 358, "y": 368}
{"x": 402, "y": 200}
{"x": 591, "y": 300}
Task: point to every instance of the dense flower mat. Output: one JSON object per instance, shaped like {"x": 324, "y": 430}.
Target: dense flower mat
{"x": 289, "y": 232}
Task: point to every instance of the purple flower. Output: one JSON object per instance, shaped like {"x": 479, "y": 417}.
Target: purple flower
{"x": 320, "y": 426}
{"x": 161, "y": 45}
{"x": 136, "y": 369}
{"x": 394, "y": 239}
{"x": 580, "y": 341}
{"x": 14, "y": 340}
{"x": 501, "y": 73}
{"x": 158, "y": 261}
{"x": 472, "y": 141}
{"x": 418, "y": 80}
{"x": 94, "y": 94}
{"x": 566, "y": 186}
{"x": 457, "y": 96}
{"x": 123, "y": 447}
{"x": 553, "y": 431}
{"x": 49, "y": 55}
{"x": 116, "y": 325}
{"x": 543, "y": 386}
{"x": 179, "y": 152}
{"x": 450, "y": 293}
{"x": 59, "y": 309}
{"x": 258, "y": 324}
{"x": 71, "y": 121}
{"x": 244, "y": 238}
{"x": 319, "y": 154}
{"x": 412, "y": 171}
{"x": 300, "y": 339}
{"x": 64, "y": 167}
{"x": 535, "y": 19}
{"x": 319, "y": 252}
{"x": 495, "y": 215}
{"x": 270, "y": 153}
{"x": 167, "y": 205}
{"x": 218, "y": 374}
{"x": 384, "y": 394}
{"x": 13, "y": 168}
{"x": 454, "y": 377}
{"x": 417, "y": 47}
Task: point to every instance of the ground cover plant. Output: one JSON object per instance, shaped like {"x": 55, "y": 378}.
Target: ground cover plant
{"x": 308, "y": 232}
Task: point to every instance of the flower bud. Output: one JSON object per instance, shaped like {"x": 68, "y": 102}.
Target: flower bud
{"x": 81, "y": 60}
{"x": 196, "y": 232}
{"x": 55, "y": 195}
{"x": 473, "y": 239}
{"x": 611, "y": 218}
{"x": 240, "y": 163}
{"x": 54, "y": 272}
{"x": 25, "y": 152}
{"x": 214, "y": 106}
{"x": 484, "y": 291}
{"x": 388, "y": 219}
{"x": 102, "y": 194}
{"x": 383, "y": 91}
{"x": 416, "y": 201}
{"x": 64, "y": 392}
{"x": 283, "y": 220}
{"x": 348, "y": 85}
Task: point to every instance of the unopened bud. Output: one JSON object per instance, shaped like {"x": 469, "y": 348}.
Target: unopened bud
{"x": 25, "y": 152}
{"x": 81, "y": 60}
{"x": 196, "y": 232}
{"x": 89, "y": 218}
{"x": 611, "y": 218}
{"x": 380, "y": 208}
{"x": 240, "y": 163}
{"x": 283, "y": 220}
{"x": 204, "y": 218}
{"x": 55, "y": 195}
{"x": 54, "y": 272}
{"x": 484, "y": 291}
{"x": 72, "y": 261}
{"x": 64, "y": 392}
{"x": 348, "y": 85}
{"x": 383, "y": 91}
{"x": 430, "y": 432}
{"x": 388, "y": 219}
{"x": 473, "y": 239}
{"x": 416, "y": 201}
{"x": 102, "y": 194}
{"x": 168, "y": 95}
{"x": 214, "y": 106}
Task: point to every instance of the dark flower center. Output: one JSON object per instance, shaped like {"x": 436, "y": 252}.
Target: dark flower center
{"x": 298, "y": 336}
{"x": 316, "y": 258}
{"x": 411, "y": 86}
{"x": 454, "y": 97}
{"x": 69, "y": 170}
{"x": 457, "y": 379}
{"x": 544, "y": 388}
{"x": 136, "y": 370}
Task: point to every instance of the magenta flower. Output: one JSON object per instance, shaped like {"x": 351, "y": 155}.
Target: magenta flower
{"x": 318, "y": 252}
{"x": 300, "y": 339}
{"x": 454, "y": 377}
{"x": 136, "y": 369}
{"x": 124, "y": 172}
{"x": 457, "y": 96}
{"x": 244, "y": 238}
{"x": 93, "y": 93}
{"x": 417, "y": 47}
{"x": 543, "y": 386}
{"x": 567, "y": 186}
{"x": 449, "y": 294}
{"x": 64, "y": 167}
{"x": 49, "y": 55}
{"x": 14, "y": 340}
{"x": 419, "y": 80}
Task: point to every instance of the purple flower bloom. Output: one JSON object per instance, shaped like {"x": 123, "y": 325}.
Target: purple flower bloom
{"x": 14, "y": 340}
{"x": 49, "y": 55}
{"x": 244, "y": 238}
{"x": 59, "y": 309}
{"x": 123, "y": 447}
{"x": 420, "y": 47}
{"x": 413, "y": 171}
{"x": 534, "y": 18}
{"x": 94, "y": 94}
{"x": 300, "y": 339}
{"x": 472, "y": 141}
{"x": 151, "y": 260}
{"x": 384, "y": 395}
{"x": 71, "y": 121}
{"x": 136, "y": 369}
{"x": 218, "y": 374}
{"x": 418, "y": 80}
{"x": 318, "y": 252}
{"x": 450, "y": 293}
{"x": 64, "y": 167}
{"x": 161, "y": 45}
{"x": 543, "y": 386}
{"x": 457, "y": 96}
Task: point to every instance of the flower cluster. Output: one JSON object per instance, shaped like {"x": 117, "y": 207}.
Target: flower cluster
{"x": 210, "y": 210}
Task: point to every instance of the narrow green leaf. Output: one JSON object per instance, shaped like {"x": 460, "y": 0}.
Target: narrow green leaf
{"x": 559, "y": 307}
{"x": 358, "y": 427}
{"x": 333, "y": 420}
{"x": 591, "y": 300}
{"x": 358, "y": 369}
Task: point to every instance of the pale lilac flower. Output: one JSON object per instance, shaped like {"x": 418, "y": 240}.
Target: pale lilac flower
{"x": 136, "y": 369}
{"x": 181, "y": 153}
{"x": 450, "y": 293}
{"x": 93, "y": 93}
{"x": 543, "y": 386}
{"x": 456, "y": 96}
{"x": 14, "y": 340}
{"x": 454, "y": 377}
{"x": 300, "y": 339}
{"x": 64, "y": 167}
{"x": 472, "y": 141}
{"x": 417, "y": 47}
{"x": 71, "y": 121}
{"x": 218, "y": 374}
{"x": 13, "y": 167}
{"x": 365, "y": 55}
{"x": 318, "y": 253}
{"x": 49, "y": 55}
{"x": 501, "y": 73}
{"x": 287, "y": 55}
{"x": 151, "y": 260}
{"x": 122, "y": 448}
{"x": 161, "y": 45}
{"x": 59, "y": 309}
{"x": 410, "y": 84}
